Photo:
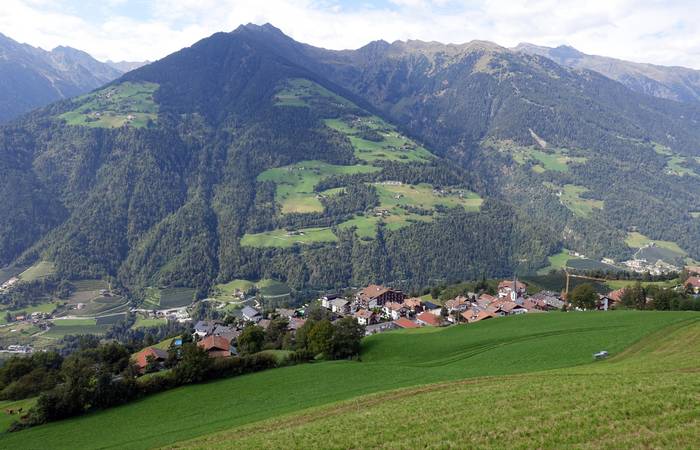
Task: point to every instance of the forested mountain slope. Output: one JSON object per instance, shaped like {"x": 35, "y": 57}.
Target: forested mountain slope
{"x": 249, "y": 155}
{"x": 31, "y": 77}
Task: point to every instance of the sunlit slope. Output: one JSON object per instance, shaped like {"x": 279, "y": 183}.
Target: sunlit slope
{"x": 502, "y": 347}
{"x": 646, "y": 397}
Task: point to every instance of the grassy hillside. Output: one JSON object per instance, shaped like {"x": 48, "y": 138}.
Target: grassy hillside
{"x": 390, "y": 361}
{"x": 643, "y": 398}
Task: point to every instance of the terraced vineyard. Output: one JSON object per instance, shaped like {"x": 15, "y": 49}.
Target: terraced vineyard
{"x": 545, "y": 360}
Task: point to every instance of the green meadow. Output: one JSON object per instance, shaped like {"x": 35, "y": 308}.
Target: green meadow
{"x": 645, "y": 397}
{"x": 285, "y": 239}
{"x": 300, "y": 92}
{"x": 393, "y": 145}
{"x": 500, "y": 349}
{"x": 41, "y": 269}
{"x": 570, "y": 196}
{"x": 115, "y": 106}
{"x": 295, "y": 183}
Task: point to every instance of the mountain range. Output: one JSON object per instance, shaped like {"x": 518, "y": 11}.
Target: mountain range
{"x": 250, "y": 155}
{"x": 31, "y": 77}
{"x": 675, "y": 83}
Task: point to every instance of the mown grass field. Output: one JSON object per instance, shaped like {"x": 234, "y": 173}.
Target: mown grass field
{"x": 115, "y": 106}
{"x": 646, "y": 397}
{"x": 503, "y": 347}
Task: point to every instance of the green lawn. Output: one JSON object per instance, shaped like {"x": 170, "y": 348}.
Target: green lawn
{"x": 115, "y": 106}
{"x": 393, "y": 360}
{"x": 619, "y": 284}
{"x": 142, "y": 322}
{"x": 40, "y": 270}
{"x": 295, "y": 183}
{"x": 648, "y": 399}
{"x": 555, "y": 159}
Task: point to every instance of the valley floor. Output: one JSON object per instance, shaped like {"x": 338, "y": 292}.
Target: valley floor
{"x": 524, "y": 381}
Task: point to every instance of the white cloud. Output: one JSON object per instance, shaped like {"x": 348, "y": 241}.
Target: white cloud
{"x": 657, "y": 31}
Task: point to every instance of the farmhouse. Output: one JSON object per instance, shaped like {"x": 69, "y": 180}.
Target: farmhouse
{"x": 375, "y": 296}
{"x": 216, "y": 346}
{"x": 394, "y": 310}
{"x": 340, "y": 306}
{"x": 250, "y": 314}
{"x": 147, "y": 355}
{"x": 365, "y": 317}
{"x": 413, "y": 305}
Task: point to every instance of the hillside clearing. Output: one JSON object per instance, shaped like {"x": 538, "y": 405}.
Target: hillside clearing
{"x": 115, "y": 106}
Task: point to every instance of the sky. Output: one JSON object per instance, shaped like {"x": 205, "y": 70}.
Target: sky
{"x": 657, "y": 31}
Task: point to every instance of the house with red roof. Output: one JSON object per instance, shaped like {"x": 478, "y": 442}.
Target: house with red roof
{"x": 472, "y": 316}
{"x": 148, "y": 355}
{"x": 429, "y": 319}
{"x": 692, "y": 284}
{"x": 406, "y": 323}
{"x": 216, "y": 346}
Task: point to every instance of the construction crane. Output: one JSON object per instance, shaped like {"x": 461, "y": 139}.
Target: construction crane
{"x": 573, "y": 275}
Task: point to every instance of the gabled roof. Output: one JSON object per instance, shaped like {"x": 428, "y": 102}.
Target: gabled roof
{"x": 508, "y": 284}
{"x": 616, "y": 295}
{"x": 295, "y": 323}
{"x": 405, "y": 323}
{"x": 393, "y": 306}
{"x": 249, "y": 312}
{"x": 456, "y": 302}
{"x": 215, "y": 343}
{"x": 373, "y": 291}
{"x": 141, "y": 358}
{"x": 429, "y": 319}
{"x": 364, "y": 313}
{"x": 693, "y": 281}
{"x": 472, "y": 317}
{"x": 413, "y": 302}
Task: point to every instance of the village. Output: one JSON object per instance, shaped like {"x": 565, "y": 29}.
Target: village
{"x": 378, "y": 309}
